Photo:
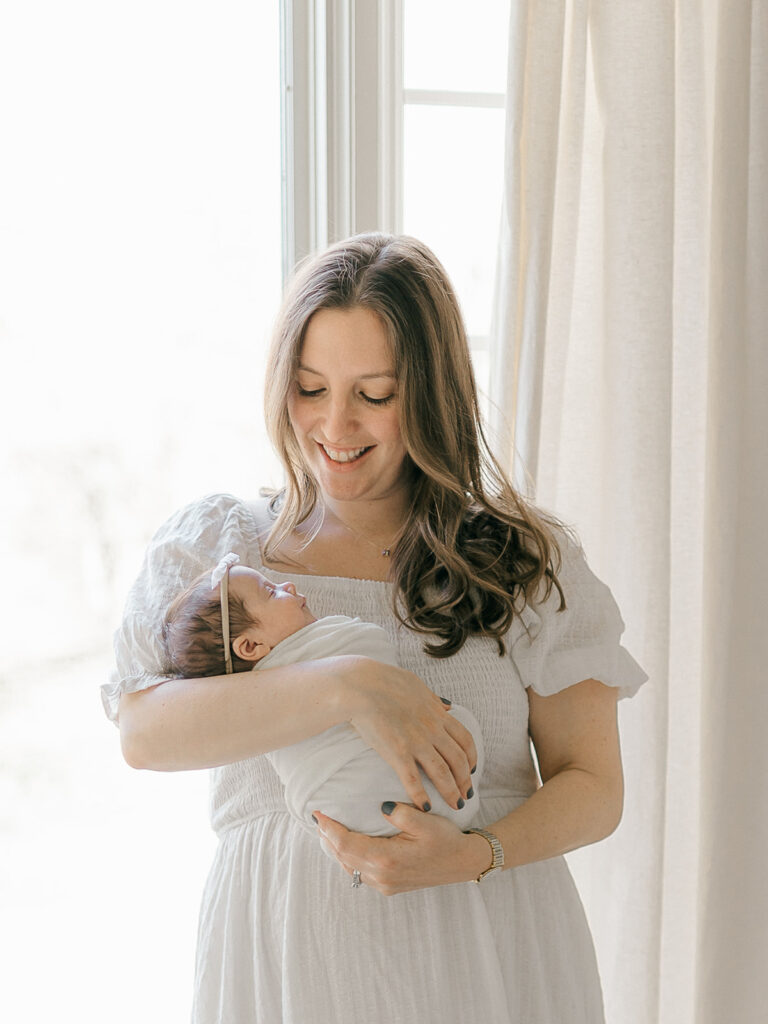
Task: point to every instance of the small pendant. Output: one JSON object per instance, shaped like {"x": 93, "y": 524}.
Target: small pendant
{"x": 385, "y": 553}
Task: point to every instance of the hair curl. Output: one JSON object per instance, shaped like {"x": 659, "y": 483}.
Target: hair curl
{"x": 473, "y": 550}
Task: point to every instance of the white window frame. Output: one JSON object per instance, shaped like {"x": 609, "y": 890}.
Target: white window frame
{"x": 341, "y": 121}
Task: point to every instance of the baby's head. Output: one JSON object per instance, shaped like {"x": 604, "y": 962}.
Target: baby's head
{"x": 261, "y": 614}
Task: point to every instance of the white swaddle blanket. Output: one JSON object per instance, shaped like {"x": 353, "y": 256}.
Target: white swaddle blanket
{"x": 336, "y": 772}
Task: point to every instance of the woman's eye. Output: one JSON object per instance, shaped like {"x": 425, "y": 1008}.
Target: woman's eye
{"x": 309, "y": 392}
{"x": 376, "y": 401}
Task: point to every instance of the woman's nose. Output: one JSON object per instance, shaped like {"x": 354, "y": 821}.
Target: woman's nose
{"x": 338, "y": 420}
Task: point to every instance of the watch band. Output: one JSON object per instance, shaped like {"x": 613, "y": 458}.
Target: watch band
{"x": 497, "y": 849}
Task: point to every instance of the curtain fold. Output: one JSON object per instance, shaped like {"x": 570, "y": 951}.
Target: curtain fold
{"x": 630, "y": 368}
{"x": 733, "y": 939}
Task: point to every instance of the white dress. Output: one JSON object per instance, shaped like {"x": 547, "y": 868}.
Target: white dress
{"x": 283, "y": 937}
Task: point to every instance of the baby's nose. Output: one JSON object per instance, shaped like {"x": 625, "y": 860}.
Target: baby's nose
{"x": 290, "y": 587}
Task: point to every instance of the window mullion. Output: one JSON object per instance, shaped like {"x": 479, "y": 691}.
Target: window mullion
{"x": 390, "y": 116}
{"x": 340, "y": 52}
{"x": 342, "y": 121}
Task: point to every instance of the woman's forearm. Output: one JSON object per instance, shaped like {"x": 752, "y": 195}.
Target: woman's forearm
{"x": 572, "y": 809}
{"x": 201, "y": 723}
{"x": 575, "y": 807}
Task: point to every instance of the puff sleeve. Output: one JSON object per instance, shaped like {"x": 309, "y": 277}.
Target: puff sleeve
{"x": 191, "y": 541}
{"x": 557, "y": 649}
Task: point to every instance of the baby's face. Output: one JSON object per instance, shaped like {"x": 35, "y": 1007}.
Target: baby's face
{"x": 278, "y": 608}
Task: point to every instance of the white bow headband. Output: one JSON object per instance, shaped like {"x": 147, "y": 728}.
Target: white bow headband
{"x": 220, "y": 575}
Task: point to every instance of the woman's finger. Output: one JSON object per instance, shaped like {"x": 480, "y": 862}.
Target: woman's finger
{"x": 441, "y": 774}
{"x": 408, "y": 820}
{"x": 413, "y": 784}
{"x": 463, "y": 737}
{"x": 351, "y": 849}
{"x": 331, "y": 830}
{"x": 451, "y": 775}
{"x": 458, "y": 764}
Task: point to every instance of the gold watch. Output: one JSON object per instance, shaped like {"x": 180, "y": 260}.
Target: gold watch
{"x": 498, "y": 851}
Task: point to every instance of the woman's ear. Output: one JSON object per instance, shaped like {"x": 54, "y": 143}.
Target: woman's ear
{"x": 249, "y": 650}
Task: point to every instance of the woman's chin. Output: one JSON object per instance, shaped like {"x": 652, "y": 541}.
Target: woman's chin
{"x": 361, "y": 480}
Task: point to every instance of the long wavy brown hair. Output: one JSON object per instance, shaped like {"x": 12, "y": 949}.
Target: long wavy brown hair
{"x": 473, "y": 551}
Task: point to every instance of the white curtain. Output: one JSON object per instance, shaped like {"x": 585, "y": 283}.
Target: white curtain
{"x": 631, "y": 386}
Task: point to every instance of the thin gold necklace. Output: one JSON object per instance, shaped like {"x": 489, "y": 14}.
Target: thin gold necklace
{"x": 384, "y": 552}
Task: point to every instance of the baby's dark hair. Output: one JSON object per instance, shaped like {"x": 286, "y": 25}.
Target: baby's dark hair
{"x": 192, "y": 631}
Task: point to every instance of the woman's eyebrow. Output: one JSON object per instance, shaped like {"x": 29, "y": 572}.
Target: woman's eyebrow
{"x": 390, "y": 374}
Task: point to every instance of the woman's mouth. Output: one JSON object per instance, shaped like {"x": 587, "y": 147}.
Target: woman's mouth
{"x": 344, "y": 455}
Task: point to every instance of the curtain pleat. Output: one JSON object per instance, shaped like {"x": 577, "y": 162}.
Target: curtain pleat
{"x": 630, "y": 366}
{"x": 732, "y": 950}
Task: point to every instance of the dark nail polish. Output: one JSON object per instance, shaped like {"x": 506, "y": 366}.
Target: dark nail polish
{"x": 427, "y": 806}
{"x": 388, "y": 806}
{"x": 470, "y": 793}
{"x": 314, "y": 819}
{"x": 460, "y": 804}
{"x": 445, "y": 701}
{"x": 473, "y": 770}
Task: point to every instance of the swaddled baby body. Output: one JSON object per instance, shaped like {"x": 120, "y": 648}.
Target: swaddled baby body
{"x": 336, "y": 772}
{"x": 235, "y": 619}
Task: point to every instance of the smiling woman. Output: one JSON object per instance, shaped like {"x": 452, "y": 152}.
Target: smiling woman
{"x": 395, "y": 511}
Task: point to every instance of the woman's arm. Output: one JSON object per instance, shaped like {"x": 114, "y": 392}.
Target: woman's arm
{"x": 199, "y": 723}
{"x": 575, "y": 734}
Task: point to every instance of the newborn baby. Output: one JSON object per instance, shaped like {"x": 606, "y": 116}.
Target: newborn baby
{"x": 235, "y": 619}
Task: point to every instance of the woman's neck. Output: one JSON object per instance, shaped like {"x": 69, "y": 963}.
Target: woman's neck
{"x": 377, "y": 521}
{"x": 353, "y": 539}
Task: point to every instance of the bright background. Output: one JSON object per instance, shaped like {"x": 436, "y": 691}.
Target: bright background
{"x": 139, "y": 277}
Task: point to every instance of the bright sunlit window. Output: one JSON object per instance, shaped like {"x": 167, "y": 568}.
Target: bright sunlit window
{"x": 454, "y": 83}
{"x": 139, "y": 275}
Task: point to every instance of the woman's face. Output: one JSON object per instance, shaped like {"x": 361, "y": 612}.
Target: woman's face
{"x": 344, "y": 407}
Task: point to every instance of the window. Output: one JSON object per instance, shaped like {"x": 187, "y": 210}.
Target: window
{"x": 396, "y": 117}
{"x": 139, "y": 261}
{"x": 454, "y": 86}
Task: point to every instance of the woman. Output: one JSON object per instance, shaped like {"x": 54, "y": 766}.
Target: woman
{"x": 394, "y": 510}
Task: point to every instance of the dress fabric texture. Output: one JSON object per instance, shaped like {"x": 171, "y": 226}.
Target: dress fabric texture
{"x": 336, "y": 772}
{"x": 282, "y": 935}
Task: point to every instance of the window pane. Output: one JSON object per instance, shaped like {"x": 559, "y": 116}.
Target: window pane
{"x": 453, "y": 45}
{"x": 452, "y": 191}
{"x": 139, "y": 274}
{"x": 140, "y": 261}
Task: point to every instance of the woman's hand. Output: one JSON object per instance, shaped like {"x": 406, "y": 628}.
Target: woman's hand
{"x": 428, "y": 851}
{"x": 576, "y": 739}
{"x": 410, "y": 728}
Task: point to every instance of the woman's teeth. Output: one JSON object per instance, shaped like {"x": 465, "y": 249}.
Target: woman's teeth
{"x": 339, "y": 455}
